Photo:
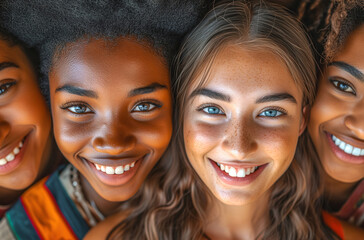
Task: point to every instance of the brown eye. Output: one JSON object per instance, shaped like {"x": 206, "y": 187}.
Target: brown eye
{"x": 79, "y": 109}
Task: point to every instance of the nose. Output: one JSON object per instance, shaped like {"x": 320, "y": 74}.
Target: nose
{"x": 4, "y": 131}
{"x": 239, "y": 138}
{"x": 114, "y": 139}
{"x": 355, "y": 121}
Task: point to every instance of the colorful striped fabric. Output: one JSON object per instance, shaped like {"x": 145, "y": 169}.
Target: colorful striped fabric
{"x": 46, "y": 211}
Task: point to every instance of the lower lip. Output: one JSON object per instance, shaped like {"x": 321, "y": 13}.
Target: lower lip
{"x": 343, "y": 156}
{"x": 238, "y": 181}
{"x": 11, "y": 166}
{"x": 116, "y": 179}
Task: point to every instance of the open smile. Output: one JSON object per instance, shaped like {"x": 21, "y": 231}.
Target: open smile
{"x": 11, "y": 158}
{"x": 115, "y": 175}
{"x": 345, "y": 151}
{"x": 238, "y": 174}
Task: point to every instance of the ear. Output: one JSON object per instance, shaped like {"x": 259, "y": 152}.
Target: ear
{"x": 304, "y": 118}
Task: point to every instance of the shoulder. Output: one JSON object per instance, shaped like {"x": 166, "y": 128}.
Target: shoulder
{"x": 102, "y": 229}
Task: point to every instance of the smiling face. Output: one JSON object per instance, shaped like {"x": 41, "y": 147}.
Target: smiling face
{"x": 241, "y": 128}
{"x": 337, "y": 117}
{"x": 25, "y": 122}
{"x": 111, "y": 106}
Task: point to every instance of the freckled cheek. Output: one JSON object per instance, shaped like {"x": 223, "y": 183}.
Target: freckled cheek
{"x": 280, "y": 145}
{"x": 200, "y": 137}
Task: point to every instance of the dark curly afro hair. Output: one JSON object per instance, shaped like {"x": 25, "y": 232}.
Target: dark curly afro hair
{"x": 48, "y": 25}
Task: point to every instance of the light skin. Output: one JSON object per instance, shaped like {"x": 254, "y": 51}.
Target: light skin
{"x": 339, "y": 111}
{"x": 111, "y": 106}
{"x": 25, "y": 118}
{"x": 248, "y": 114}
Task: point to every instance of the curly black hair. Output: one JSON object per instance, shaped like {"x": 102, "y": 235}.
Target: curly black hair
{"x": 49, "y": 25}
{"x": 330, "y": 22}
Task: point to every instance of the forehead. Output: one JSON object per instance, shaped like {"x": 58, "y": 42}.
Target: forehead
{"x": 102, "y": 64}
{"x": 11, "y": 53}
{"x": 246, "y": 70}
{"x": 353, "y": 49}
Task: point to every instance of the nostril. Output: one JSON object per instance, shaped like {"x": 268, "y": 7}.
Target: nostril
{"x": 4, "y": 130}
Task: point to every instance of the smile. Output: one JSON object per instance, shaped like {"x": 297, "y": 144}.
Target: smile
{"x": 347, "y": 148}
{"x": 11, "y": 156}
{"x": 237, "y": 172}
{"x": 114, "y": 169}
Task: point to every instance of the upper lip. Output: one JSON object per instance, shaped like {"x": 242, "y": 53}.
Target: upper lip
{"x": 112, "y": 160}
{"x": 238, "y": 163}
{"x": 9, "y": 147}
{"x": 350, "y": 140}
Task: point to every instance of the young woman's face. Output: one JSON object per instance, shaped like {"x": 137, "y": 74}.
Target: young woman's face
{"x": 241, "y": 128}
{"x": 25, "y": 121}
{"x": 337, "y": 118}
{"x": 112, "y": 113}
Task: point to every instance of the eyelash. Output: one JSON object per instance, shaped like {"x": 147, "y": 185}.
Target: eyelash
{"x": 204, "y": 106}
{"x": 69, "y": 105}
{"x": 337, "y": 83}
{"x": 278, "y": 109}
{"x": 6, "y": 86}
{"x": 145, "y": 102}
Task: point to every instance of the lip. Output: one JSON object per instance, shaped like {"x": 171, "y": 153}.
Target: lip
{"x": 237, "y": 181}
{"x": 11, "y": 166}
{"x": 115, "y": 179}
{"x": 341, "y": 155}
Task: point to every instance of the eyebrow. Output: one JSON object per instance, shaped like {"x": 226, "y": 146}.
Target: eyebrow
{"x": 350, "y": 69}
{"x": 210, "y": 93}
{"x": 77, "y": 91}
{"x": 147, "y": 89}
{"x": 5, "y": 65}
{"x": 276, "y": 97}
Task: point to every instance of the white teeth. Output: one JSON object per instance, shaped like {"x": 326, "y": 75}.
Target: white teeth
{"x": 97, "y": 167}
{"x": 114, "y": 170}
{"x": 347, "y": 148}
{"x": 11, "y": 156}
{"x": 119, "y": 170}
{"x": 234, "y": 172}
{"x": 126, "y": 168}
{"x": 110, "y": 170}
{"x": 356, "y": 152}
{"x": 241, "y": 172}
{"x": 16, "y": 150}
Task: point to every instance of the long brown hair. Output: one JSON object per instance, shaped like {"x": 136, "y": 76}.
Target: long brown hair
{"x": 181, "y": 201}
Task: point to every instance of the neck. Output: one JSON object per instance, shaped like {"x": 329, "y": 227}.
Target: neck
{"x": 337, "y": 192}
{"x": 106, "y": 207}
{"x": 238, "y": 222}
{"x": 9, "y": 196}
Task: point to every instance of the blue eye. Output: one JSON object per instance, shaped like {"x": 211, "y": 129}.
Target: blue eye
{"x": 212, "y": 110}
{"x": 144, "y": 107}
{"x": 5, "y": 87}
{"x": 79, "y": 109}
{"x": 270, "y": 113}
{"x": 342, "y": 86}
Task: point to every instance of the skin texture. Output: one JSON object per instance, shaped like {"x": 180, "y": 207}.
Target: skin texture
{"x": 339, "y": 110}
{"x": 23, "y": 113}
{"x": 108, "y": 127}
{"x": 239, "y": 134}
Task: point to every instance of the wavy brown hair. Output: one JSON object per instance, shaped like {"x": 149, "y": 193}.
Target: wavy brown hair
{"x": 180, "y": 201}
{"x": 330, "y": 22}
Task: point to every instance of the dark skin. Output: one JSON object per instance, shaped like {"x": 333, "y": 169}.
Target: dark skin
{"x": 338, "y": 111}
{"x": 112, "y": 115}
{"x": 25, "y": 124}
